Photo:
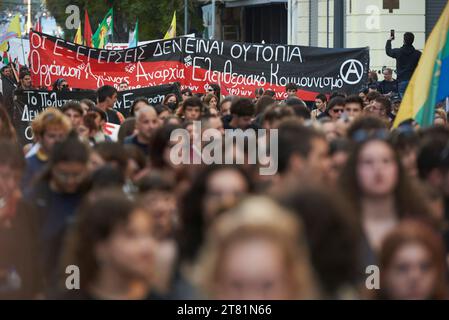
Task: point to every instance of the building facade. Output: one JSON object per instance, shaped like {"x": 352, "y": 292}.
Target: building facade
{"x": 329, "y": 23}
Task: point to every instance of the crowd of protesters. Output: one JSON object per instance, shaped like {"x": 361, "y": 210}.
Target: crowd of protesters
{"x": 350, "y": 193}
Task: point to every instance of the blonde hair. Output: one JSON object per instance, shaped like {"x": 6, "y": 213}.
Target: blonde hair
{"x": 49, "y": 118}
{"x": 257, "y": 217}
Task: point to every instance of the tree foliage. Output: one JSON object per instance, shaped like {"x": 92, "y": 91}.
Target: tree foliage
{"x": 154, "y": 16}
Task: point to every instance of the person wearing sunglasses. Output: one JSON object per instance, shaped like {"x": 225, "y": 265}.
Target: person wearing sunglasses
{"x": 61, "y": 84}
{"x": 335, "y": 109}
{"x": 186, "y": 93}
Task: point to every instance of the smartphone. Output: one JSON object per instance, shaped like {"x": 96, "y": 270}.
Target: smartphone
{"x": 392, "y": 34}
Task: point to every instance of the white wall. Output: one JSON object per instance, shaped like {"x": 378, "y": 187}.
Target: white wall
{"x": 367, "y": 24}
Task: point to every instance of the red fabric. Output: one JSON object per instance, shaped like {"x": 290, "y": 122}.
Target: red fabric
{"x": 87, "y": 30}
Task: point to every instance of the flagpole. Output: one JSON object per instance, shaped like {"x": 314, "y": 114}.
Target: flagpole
{"x": 23, "y": 52}
{"x": 213, "y": 19}
{"x": 186, "y": 12}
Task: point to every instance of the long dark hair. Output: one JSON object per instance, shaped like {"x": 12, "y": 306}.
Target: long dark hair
{"x": 409, "y": 201}
{"x": 97, "y": 218}
{"x": 193, "y": 226}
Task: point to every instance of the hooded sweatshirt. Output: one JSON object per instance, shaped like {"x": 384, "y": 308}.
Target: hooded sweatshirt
{"x": 407, "y": 58}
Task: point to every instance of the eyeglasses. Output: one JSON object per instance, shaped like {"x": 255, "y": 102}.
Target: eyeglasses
{"x": 338, "y": 110}
{"x": 65, "y": 86}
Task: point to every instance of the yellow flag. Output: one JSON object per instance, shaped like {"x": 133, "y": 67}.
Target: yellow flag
{"x": 13, "y": 31}
{"x": 171, "y": 33}
{"x": 78, "y": 38}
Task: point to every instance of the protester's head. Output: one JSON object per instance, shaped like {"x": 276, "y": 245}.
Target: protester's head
{"x": 440, "y": 118}
{"x": 215, "y": 89}
{"x": 6, "y": 71}
{"x": 7, "y": 130}
{"x": 137, "y": 104}
{"x": 291, "y": 89}
{"x": 161, "y": 205}
{"x": 212, "y": 122}
{"x": 60, "y": 84}
{"x": 269, "y": 92}
{"x": 211, "y": 101}
{"x": 160, "y": 146}
{"x": 25, "y": 80}
{"x": 192, "y": 108}
{"x": 412, "y": 264}
{"x": 336, "y": 107}
{"x": 225, "y": 105}
{"x": 321, "y": 102}
{"x": 146, "y": 123}
{"x": 263, "y": 103}
{"x": 100, "y": 117}
{"x": 110, "y": 153}
{"x": 68, "y": 165}
{"x": 329, "y": 128}
{"x": 381, "y": 106}
{"x": 275, "y": 114}
{"x": 123, "y": 86}
{"x": 74, "y": 112}
{"x": 87, "y": 105}
{"x": 242, "y": 111}
{"x": 136, "y": 161}
{"x": 299, "y": 107}
{"x": 371, "y": 96}
{"x": 171, "y": 101}
{"x": 186, "y": 93}
{"x": 330, "y": 233}
{"x": 374, "y": 171}
{"x": 365, "y": 126}
{"x": 107, "y": 96}
{"x": 406, "y": 141}
{"x": 215, "y": 189}
{"x": 257, "y": 251}
{"x": 395, "y": 103}
{"x": 372, "y": 76}
{"x": 388, "y": 74}
{"x": 354, "y": 106}
{"x": 257, "y": 94}
{"x": 111, "y": 236}
{"x": 433, "y": 159}
{"x": 163, "y": 112}
{"x": 49, "y": 127}
{"x": 12, "y": 164}
{"x": 409, "y": 38}
{"x": 306, "y": 157}
{"x": 339, "y": 149}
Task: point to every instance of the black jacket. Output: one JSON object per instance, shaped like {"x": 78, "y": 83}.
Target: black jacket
{"x": 407, "y": 58}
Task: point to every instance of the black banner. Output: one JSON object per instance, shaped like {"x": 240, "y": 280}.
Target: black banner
{"x": 29, "y": 103}
{"x": 239, "y": 68}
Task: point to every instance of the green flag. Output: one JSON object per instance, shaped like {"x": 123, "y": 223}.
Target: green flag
{"x": 101, "y": 36}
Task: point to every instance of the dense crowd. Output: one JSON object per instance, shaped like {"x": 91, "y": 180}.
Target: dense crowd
{"x": 351, "y": 195}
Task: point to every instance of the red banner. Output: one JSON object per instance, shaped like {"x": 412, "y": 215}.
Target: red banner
{"x": 196, "y": 63}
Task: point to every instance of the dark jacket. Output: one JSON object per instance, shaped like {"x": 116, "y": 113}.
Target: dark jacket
{"x": 407, "y": 58}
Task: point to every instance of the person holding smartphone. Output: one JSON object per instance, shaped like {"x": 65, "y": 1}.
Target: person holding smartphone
{"x": 407, "y": 58}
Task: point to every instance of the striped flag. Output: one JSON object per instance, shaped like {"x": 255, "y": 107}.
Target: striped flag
{"x": 430, "y": 81}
